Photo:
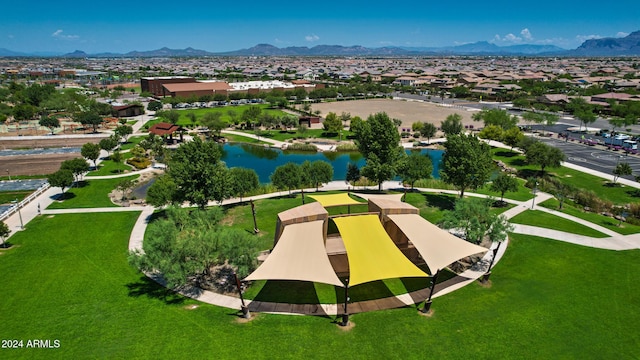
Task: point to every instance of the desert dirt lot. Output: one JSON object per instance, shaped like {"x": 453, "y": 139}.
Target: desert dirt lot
{"x": 33, "y": 164}
{"x": 407, "y": 111}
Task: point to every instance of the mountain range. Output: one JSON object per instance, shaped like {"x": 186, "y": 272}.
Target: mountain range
{"x": 626, "y": 46}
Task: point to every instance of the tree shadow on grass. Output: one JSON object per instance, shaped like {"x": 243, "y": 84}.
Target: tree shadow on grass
{"x": 151, "y": 289}
{"x": 633, "y": 192}
{"x": 64, "y": 196}
{"x": 506, "y": 154}
{"x": 441, "y": 201}
{"x": 288, "y": 291}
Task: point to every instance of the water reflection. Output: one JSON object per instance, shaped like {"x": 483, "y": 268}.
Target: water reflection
{"x": 265, "y": 160}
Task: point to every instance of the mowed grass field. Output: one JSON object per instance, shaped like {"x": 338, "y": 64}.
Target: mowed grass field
{"x": 67, "y": 278}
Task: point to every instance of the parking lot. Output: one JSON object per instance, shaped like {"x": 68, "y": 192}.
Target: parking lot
{"x": 594, "y": 157}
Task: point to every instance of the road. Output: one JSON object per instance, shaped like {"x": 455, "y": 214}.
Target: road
{"x": 565, "y": 120}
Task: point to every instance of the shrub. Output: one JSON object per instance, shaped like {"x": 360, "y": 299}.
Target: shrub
{"x": 347, "y": 147}
{"x": 302, "y": 147}
{"x": 139, "y": 163}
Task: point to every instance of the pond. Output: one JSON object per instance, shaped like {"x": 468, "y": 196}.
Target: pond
{"x": 264, "y": 160}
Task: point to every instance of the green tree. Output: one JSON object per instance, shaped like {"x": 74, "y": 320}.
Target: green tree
{"x": 91, "y": 152}
{"x": 544, "y": 155}
{"x": 62, "y": 178}
{"x": 108, "y": 144}
{"x": 428, "y": 130}
{"x": 213, "y": 121}
{"x": 251, "y": 115}
{"x": 198, "y": 173}
{"x": 452, "y": 125}
{"x": 345, "y": 117}
{"x": 77, "y": 166}
{"x": 416, "y": 166}
{"x": 621, "y": 122}
{"x": 466, "y": 162}
{"x": 24, "y": 111}
{"x": 549, "y": 119}
{"x": 316, "y": 173}
{"x": 243, "y": 181}
{"x": 504, "y": 183}
{"x": 512, "y": 137}
{"x": 162, "y": 191}
{"x": 50, "y": 122}
{"x": 496, "y": 117}
{"x": 378, "y": 141}
{"x": 89, "y": 119}
{"x": 582, "y": 110}
{"x": 622, "y": 169}
{"x": 474, "y": 218}
{"x": 332, "y": 124}
{"x": 491, "y": 132}
{"x": 171, "y": 116}
{"x": 4, "y": 232}
{"x": 417, "y": 126}
{"x": 287, "y": 176}
{"x": 353, "y": 173}
{"x": 154, "y": 106}
{"x": 123, "y": 132}
{"x": 125, "y": 186}
{"x": 117, "y": 158}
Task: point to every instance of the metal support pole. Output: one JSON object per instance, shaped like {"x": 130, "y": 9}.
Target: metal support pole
{"x": 533, "y": 201}
{"x": 427, "y": 302}
{"x": 486, "y": 275}
{"x": 253, "y": 212}
{"x": 345, "y": 314}
{"x": 245, "y": 310}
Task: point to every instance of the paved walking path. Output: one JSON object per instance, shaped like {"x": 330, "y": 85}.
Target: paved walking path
{"x": 614, "y": 241}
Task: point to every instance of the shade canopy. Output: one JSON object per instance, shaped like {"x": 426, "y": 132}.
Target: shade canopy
{"x": 372, "y": 254}
{"x": 437, "y": 247}
{"x": 340, "y": 199}
{"x": 395, "y": 197}
{"x": 299, "y": 255}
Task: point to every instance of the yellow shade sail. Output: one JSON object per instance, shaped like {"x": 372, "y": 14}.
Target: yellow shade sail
{"x": 372, "y": 254}
{"x": 330, "y": 200}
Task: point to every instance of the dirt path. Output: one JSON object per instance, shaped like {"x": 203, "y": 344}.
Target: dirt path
{"x": 407, "y": 111}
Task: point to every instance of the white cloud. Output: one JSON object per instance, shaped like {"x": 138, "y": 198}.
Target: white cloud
{"x": 512, "y": 38}
{"x": 583, "y": 38}
{"x": 622, "y": 34}
{"x": 312, "y": 38}
{"x": 58, "y": 34}
{"x": 526, "y": 34}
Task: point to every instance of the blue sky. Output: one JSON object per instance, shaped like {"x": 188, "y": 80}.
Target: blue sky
{"x": 107, "y": 26}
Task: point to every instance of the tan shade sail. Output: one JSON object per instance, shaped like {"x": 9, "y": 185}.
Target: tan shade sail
{"x": 437, "y": 247}
{"x": 395, "y": 197}
{"x": 299, "y": 255}
{"x": 372, "y": 254}
{"x": 335, "y": 200}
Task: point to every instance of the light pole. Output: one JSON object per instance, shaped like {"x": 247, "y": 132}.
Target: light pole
{"x": 8, "y": 174}
{"x": 533, "y": 201}
{"x": 19, "y": 213}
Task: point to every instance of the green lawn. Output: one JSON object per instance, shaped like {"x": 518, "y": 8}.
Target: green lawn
{"x": 523, "y": 193}
{"x": 243, "y": 139}
{"x": 184, "y": 119}
{"x": 618, "y": 195}
{"x": 61, "y": 284}
{"x": 604, "y": 221}
{"x": 91, "y": 193}
{"x": 109, "y": 167}
{"x": 6, "y": 197}
{"x": 131, "y": 142}
{"x": 549, "y": 221}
